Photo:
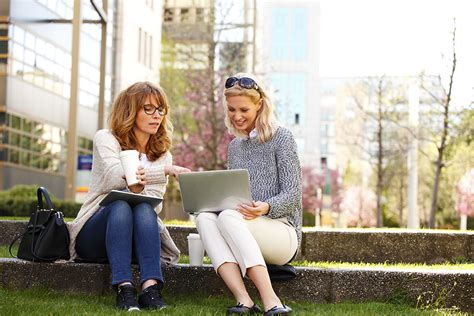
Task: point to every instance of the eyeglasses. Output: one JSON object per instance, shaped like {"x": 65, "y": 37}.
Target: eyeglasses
{"x": 244, "y": 82}
{"x": 150, "y": 109}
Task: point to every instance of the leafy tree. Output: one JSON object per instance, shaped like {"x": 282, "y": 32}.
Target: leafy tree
{"x": 195, "y": 86}
{"x": 325, "y": 180}
{"x": 379, "y": 104}
{"x": 465, "y": 194}
{"x": 359, "y": 205}
{"x": 441, "y": 115}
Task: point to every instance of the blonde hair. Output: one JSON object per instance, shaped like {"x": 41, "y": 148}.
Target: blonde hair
{"x": 124, "y": 112}
{"x": 265, "y": 122}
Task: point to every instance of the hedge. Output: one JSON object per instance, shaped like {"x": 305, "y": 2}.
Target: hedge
{"x": 21, "y": 200}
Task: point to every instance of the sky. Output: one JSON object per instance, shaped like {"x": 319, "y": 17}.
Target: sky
{"x": 398, "y": 37}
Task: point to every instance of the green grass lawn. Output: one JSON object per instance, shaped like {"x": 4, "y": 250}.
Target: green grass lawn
{"x": 43, "y": 302}
{"x": 327, "y": 264}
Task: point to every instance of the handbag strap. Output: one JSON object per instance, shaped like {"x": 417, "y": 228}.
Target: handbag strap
{"x": 13, "y": 242}
{"x": 40, "y": 193}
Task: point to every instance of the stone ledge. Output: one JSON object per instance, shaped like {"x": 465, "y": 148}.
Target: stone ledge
{"x": 311, "y": 284}
{"x": 350, "y": 245}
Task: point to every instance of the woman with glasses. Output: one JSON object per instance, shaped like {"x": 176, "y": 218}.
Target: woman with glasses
{"x": 241, "y": 242}
{"x": 118, "y": 232}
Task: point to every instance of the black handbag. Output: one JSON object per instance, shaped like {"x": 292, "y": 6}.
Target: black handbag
{"x": 281, "y": 273}
{"x": 46, "y": 237}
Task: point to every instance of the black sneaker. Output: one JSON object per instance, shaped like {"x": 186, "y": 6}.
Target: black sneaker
{"x": 127, "y": 298}
{"x": 151, "y": 298}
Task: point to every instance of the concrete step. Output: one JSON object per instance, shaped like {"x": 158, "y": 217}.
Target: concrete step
{"x": 450, "y": 288}
{"x": 349, "y": 245}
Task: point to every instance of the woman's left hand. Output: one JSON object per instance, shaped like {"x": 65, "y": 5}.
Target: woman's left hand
{"x": 138, "y": 187}
{"x": 255, "y": 210}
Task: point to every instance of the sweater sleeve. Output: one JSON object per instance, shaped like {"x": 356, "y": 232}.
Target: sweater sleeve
{"x": 107, "y": 150}
{"x": 156, "y": 174}
{"x": 289, "y": 199}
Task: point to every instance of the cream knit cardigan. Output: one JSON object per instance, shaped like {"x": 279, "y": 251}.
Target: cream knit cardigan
{"x": 107, "y": 175}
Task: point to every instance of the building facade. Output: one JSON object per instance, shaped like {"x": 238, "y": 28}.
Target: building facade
{"x": 137, "y": 42}
{"x": 35, "y": 89}
{"x": 289, "y": 33}
{"x": 35, "y": 80}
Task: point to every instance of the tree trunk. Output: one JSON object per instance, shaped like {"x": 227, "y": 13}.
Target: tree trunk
{"x": 401, "y": 194}
{"x": 380, "y": 156}
{"x": 434, "y": 196}
{"x": 444, "y": 138}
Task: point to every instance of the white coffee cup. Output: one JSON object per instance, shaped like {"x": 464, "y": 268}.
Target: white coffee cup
{"x": 196, "y": 250}
{"x": 130, "y": 161}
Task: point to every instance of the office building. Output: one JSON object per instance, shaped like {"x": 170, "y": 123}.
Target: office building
{"x": 36, "y": 61}
{"x": 289, "y": 34}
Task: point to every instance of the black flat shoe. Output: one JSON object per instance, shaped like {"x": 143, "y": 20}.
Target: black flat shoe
{"x": 242, "y": 309}
{"x": 284, "y": 310}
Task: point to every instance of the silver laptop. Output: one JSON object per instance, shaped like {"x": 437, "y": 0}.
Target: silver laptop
{"x": 214, "y": 191}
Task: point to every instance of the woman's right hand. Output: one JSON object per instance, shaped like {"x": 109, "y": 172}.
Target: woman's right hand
{"x": 174, "y": 170}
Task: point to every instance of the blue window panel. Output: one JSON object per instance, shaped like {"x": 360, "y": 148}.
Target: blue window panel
{"x": 280, "y": 31}
{"x": 299, "y": 34}
{"x": 290, "y": 97}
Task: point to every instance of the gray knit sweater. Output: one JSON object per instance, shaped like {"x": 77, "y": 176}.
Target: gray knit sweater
{"x": 275, "y": 173}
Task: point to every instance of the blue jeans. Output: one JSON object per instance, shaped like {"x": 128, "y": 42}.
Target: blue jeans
{"x": 116, "y": 234}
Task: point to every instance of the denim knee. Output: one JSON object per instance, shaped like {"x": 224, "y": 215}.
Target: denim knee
{"x": 120, "y": 213}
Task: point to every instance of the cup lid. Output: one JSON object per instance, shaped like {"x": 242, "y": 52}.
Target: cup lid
{"x": 124, "y": 153}
{"x": 194, "y": 236}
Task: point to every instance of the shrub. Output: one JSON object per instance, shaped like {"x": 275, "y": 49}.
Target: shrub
{"x": 21, "y": 200}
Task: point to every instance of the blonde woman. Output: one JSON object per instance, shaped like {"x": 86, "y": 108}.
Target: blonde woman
{"x": 118, "y": 232}
{"x": 241, "y": 242}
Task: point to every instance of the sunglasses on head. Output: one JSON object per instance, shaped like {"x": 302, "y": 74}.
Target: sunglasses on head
{"x": 244, "y": 82}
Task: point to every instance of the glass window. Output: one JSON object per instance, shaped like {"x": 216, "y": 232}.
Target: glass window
{"x": 41, "y": 63}
{"x": 38, "y": 145}
{"x": 324, "y": 130}
{"x": 17, "y": 68}
{"x": 14, "y": 139}
{"x": 25, "y": 142}
{"x": 289, "y": 33}
{"x": 30, "y": 57}
{"x": 290, "y": 96}
{"x": 19, "y": 35}
{"x": 27, "y": 125}
{"x": 299, "y": 34}
{"x": 29, "y": 40}
{"x": 36, "y": 161}
{"x": 50, "y": 51}
{"x": 25, "y": 158}
{"x": 168, "y": 14}
{"x": 18, "y": 52}
{"x": 40, "y": 46}
{"x": 280, "y": 27}
{"x": 199, "y": 15}
{"x": 15, "y": 122}
{"x": 184, "y": 15}
{"x": 14, "y": 156}
{"x": 28, "y": 73}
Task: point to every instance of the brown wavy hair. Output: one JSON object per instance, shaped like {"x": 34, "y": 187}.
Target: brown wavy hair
{"x": 124, "y": 112}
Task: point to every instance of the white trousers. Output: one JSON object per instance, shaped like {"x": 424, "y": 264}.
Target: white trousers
{"x": 228, "y": 237}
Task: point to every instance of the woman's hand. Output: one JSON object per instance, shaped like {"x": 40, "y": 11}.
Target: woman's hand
{"x": 138, "y": 187}
{"x": 255, "y": 210}
{"x": 175, "y": 170}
